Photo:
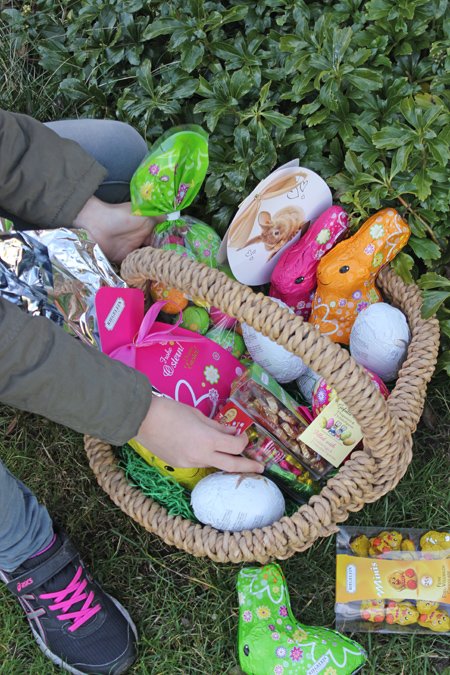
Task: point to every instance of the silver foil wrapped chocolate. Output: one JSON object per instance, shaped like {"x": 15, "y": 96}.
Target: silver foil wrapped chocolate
{"x": 56, "y": 273}
{"x": 26, "y": 274}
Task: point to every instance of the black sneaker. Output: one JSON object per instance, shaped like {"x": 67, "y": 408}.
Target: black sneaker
{"x": 76, "y": 624}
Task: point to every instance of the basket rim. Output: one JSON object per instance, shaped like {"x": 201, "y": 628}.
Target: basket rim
{"x": 365, "y": 477}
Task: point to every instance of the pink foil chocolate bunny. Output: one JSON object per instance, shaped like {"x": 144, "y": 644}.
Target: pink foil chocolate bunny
{"x": 294, "y": 277}
{"x": 346, "y": 275}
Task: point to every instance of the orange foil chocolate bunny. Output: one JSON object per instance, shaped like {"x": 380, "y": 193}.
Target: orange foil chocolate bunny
{"x": 346, "y": 275}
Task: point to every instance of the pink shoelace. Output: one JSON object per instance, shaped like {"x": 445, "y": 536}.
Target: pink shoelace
{"x": 76, "y": 592}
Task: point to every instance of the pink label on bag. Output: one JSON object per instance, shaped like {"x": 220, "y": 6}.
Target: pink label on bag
{"x": 183, "y": 365}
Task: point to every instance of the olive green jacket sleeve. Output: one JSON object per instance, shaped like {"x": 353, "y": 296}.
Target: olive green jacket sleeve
{"x": 45, "y": 179}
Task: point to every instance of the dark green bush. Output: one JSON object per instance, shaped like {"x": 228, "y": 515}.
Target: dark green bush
{"x": 358, "y": 90}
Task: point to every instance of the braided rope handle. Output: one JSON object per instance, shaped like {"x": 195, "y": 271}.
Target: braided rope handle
{"x": 387, "y": 427}
{"x": 381, "y": 421}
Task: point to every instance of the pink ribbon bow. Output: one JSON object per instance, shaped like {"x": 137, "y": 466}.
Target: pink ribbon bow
{"x": 127, "y": 353}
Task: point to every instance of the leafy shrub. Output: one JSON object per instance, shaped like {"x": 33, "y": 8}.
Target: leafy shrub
{"x": 358, "y": 90}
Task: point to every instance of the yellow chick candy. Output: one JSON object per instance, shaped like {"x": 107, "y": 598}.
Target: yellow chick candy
{"x": 436, "y": 541}
{"x": 385, "y": 542}
{"x": 407, "y": 545}
{"x": 360, "y": 546}
{"x": 403, "y": 613}
{"x": 188, "y": 478}
{"x": 437, "y": 620}
{"x": 372, "y": 610}
{"x": 426, "y": 606}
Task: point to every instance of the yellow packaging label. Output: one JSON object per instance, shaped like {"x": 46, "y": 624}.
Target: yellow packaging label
{"x": 376, "y": 578}
{"x": 334, "y": 433}
{"x": 188, "y": 478}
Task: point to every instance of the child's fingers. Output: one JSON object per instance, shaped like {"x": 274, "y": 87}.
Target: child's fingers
{"x": 214, "y": 424}
{"x": 233, "y": 464}
{"x": 230, "y": 445}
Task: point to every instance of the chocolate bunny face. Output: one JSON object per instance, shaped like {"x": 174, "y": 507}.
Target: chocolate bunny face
{"x": 278, "y": 229}
{"x": 295, "y": 275}
{"x": 346, "y": 276}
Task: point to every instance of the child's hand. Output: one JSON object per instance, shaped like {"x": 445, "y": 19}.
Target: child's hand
{"x": 184, "y": 437}
{"x": 114, "y": 228}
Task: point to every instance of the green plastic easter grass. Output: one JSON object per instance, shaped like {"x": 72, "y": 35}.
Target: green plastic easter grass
{"x": 273, "y": 642}
{"x": 162, "y": 489}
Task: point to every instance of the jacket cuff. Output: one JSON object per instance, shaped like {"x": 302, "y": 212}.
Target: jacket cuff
{"x": 138, "y": 404}
{"x": 46, "y": 371}
{"x": 77, "y": 194}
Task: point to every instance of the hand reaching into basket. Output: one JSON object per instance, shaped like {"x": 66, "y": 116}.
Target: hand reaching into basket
{"x": 114, "y": 228}
{"x": 184, "y": 437}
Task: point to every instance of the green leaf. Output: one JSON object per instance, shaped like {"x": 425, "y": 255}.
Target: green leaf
{"x": 192, "y": 56}
{"x": 445, "y": 327}
{"x": 439, "y": 150}
{"x": 241, "y": 83}
{"x": 365, "y": 79}
{"x": 318, "y": 117}
{"x": 443, "y": 362}
{"x": 422, "y": 183}
{"x": 242, "y": 141}
{"x": 400, "y": 160}
{"x": 392, "y": 137}
{"x": 226, "y": 51}
{"x": 432, "y": 300}
{"x": 425, "y": 248}
{"x": 403, "y": 264}
{"x": 233, "y": 14}
{"x": 277, "y": 119}
{"x": 433, "y": 280}
{"x": 164, "y": 26}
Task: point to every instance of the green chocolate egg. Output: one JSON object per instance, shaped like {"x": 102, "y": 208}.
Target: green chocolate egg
{"x": 195, "y": 319}
{"x": 204, "y": 243}
{"x": 181, "y": 250}
{"x": 229, "y": 340}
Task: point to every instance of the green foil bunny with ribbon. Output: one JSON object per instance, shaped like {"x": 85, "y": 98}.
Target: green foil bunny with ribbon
{"x": 273, "y": 642}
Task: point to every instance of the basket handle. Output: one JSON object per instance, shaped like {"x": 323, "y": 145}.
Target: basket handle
{"x": 383, "y": 424}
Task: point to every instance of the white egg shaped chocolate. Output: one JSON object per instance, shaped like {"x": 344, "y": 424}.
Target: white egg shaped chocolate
{"x": 306, "y": 383}
{"x": 274, "y": 358}
{"x": 237, "y": 501}
{"x": 379, "y": 340}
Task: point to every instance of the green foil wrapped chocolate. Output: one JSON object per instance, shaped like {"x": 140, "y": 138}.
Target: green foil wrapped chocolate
{"x": 171, "y": 175}
{"x": 273, "y": 642}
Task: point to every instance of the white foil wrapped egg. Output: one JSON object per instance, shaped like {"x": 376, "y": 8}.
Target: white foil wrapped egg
{"x": 306, "y": 383}
{"x": 237, "y": 501}
{"x": 274, "y": 358}
{"x": 379, "y": 340}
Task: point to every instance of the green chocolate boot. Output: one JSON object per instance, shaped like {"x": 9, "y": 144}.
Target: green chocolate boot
{"x": 273, "y": 642}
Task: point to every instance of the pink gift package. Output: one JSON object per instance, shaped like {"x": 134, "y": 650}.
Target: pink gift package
{"x": 180, "y": 364}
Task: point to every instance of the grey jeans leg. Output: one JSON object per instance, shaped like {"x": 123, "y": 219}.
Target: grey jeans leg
{"x": 25, "y": 525}
{"x": 115, "y": 145}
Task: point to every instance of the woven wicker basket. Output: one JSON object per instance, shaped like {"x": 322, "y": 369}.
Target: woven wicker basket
{"x": 387, "y": 425}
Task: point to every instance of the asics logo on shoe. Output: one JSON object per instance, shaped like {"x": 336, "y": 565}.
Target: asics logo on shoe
{"x": 24, "y": 584}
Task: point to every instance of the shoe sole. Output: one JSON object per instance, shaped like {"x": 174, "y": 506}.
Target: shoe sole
{"x": 57, "y": 660}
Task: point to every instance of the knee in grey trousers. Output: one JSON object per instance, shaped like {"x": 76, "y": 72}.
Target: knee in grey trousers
{"x": 25, "y": 525}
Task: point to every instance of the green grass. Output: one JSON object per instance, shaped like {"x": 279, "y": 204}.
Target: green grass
{"x": 186, "y": 608}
